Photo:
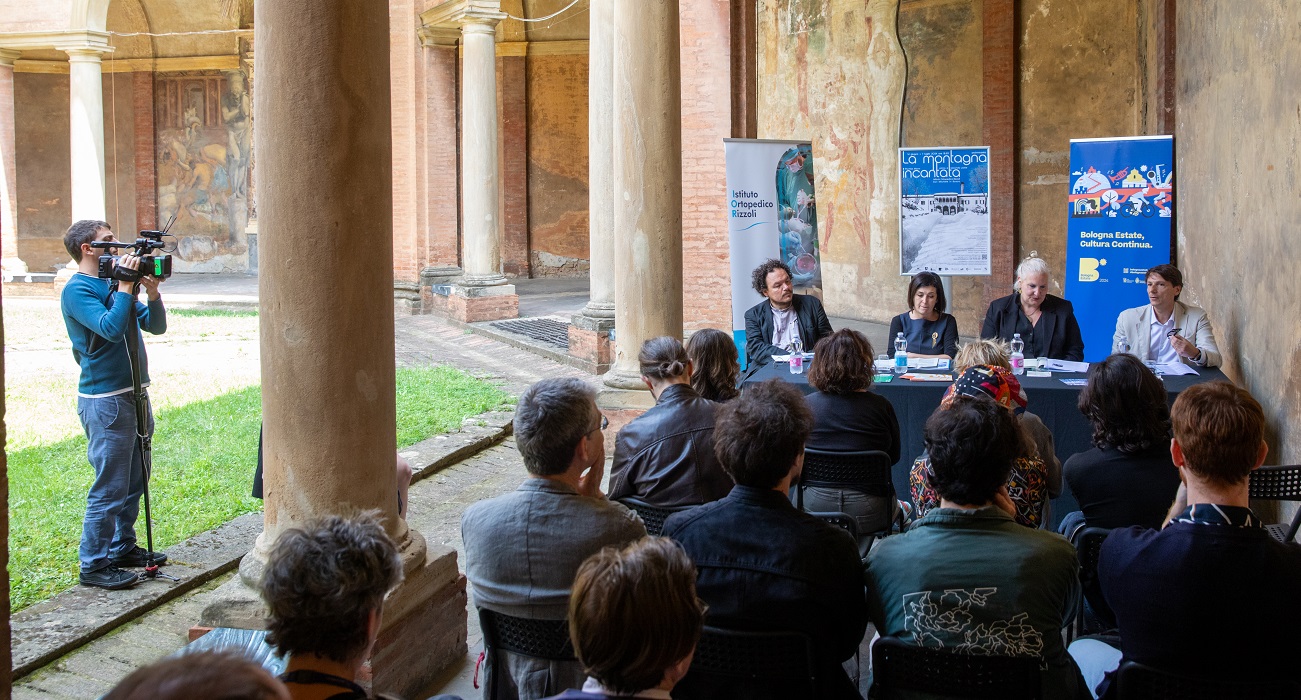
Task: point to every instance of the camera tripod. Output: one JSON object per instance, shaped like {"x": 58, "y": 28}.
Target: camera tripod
{"x": 144, "y": 440}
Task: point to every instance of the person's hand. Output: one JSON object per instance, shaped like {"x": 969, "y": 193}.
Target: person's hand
{"x": 130, "y": 262}
{"x": 150, "y": 283}
{"x": 1184, "y": 347}
{"x": 1180, "y": 504}
{"x": 1004, "y": 501}
{"x": 589, "y": 484}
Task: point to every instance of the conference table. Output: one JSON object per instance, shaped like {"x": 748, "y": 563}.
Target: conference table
{"x": 1049, "y": 398}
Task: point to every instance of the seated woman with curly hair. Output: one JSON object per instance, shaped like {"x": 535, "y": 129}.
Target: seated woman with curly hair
{"x": 849, "y": 417}
{"x": 1128, "y": 477}
{"x": 1027, "y": 487}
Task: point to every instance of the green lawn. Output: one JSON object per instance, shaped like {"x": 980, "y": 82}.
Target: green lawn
{"x": 204, "y": 456}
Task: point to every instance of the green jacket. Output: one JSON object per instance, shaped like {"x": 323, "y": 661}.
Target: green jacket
{"x": 975, "y": 581}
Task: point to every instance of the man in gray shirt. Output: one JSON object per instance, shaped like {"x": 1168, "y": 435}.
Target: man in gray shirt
{"x": 523, "y": 548}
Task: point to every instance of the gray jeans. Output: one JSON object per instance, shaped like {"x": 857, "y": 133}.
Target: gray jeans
{"x": 871, "y": 513}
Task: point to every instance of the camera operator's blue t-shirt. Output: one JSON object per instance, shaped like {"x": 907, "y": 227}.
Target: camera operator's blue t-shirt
{"x": 96, "y": 316}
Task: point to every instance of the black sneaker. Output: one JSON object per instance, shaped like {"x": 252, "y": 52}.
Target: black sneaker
{"x": 136, "y": 558}
{"x": 109, "y": 577}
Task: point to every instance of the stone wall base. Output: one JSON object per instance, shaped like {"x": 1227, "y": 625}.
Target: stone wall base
{"x": 621, "y": 407}
{"x": 591, "y": 349}
{"x": 475, "y": 304}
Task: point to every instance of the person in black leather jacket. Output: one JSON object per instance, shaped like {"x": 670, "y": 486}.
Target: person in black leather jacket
{"x": 666, "y": 456}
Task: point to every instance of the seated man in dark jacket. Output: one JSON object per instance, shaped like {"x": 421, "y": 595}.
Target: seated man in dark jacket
{"x": 1211, "y": 595}
{"x": 763, "y": 565}
{"x": 666, "y": 456}
{"x": 773, "y": 325}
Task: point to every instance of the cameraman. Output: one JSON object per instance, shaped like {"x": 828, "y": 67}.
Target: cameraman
{"x": 96, "y": 313}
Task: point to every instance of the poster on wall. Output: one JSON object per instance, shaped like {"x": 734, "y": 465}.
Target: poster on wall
{"x": 1118, "y": 225}
{"x": 772, "y": 213}
{"x": 944, "y": 211}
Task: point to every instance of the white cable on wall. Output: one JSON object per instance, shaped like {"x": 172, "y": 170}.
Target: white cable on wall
{"x": 543, "y": 19}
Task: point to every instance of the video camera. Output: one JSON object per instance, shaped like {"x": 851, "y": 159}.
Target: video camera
{"x": 159, "y": 266}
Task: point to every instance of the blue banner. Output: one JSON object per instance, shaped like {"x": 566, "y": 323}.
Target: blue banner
{"x": 1118, "y": 226}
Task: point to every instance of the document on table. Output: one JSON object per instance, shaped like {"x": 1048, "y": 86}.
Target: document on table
{"x": 928, "y": 363}
{"x": 1173, "y": 369}
{"x": 1075, "y": 381}
{"x": 1066, "y": 366}
{"x": 928, "y": 377}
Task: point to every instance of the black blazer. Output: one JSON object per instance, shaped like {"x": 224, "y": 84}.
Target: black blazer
{"x": 758, "y": 328}
{"x": 1063, "y": 332}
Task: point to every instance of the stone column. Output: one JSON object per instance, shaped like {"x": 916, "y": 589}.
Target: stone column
{"x": 9, "y": 260}
{"x": 327, "y": 318}
{"x": 86, "y": 88}
{"x": 647, "y": 186}
{"x": 589, "y": 334}
{"x": 483, "y": 294}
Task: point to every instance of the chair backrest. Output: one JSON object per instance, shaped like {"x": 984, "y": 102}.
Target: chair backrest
{"x": 841, "y": 520}
{"x": 540, "y": 639}
{"x": 755, "y": 656}
{"x": 867, "y": 471}
{"x": 1088, "y": 546}
{"x": 898, "y": 665}
{"x": 1135, "y": 681}
{"x": 653, "y": 516}
{"x": 1277, "y": 483}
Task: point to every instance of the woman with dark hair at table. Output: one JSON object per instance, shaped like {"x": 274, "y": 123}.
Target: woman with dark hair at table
{"x": 714, "y": 367}
{"x": 929, "y": 331}
{"x": 849, "y": 417}
{"x": 1128, "y": 477}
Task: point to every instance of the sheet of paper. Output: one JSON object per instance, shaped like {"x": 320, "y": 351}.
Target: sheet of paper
{"x": 1066, "y": 366}
{"x": 928, "y": 363}
{"x": 1035, "y": 373}
{"x": 928, "y": 377}
{"x": 1173, "y": 369}
{"x": 1075, "y": 381}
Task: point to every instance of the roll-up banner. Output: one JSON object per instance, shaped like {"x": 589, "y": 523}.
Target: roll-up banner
{"x": 1118, "y": 225}
{"x": 772, "y": 213}
{"x": 944, "y": 211}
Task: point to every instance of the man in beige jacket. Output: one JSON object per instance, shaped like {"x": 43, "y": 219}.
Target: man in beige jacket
{"x": 1166, "y": 330}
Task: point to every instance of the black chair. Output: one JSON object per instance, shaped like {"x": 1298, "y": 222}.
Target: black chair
{"x": 1135, "y": 681}
{"x": 540, "y": 639}
{"x": 868, "y": 472}
{"x": 1092, "y": 614}
{"x": 902, "y": 666}
{"x": 841, "y": 520}
{"x": 1279, "y": 484}
{"x": 736, "y": 664}
{"x": 653, "y": 516}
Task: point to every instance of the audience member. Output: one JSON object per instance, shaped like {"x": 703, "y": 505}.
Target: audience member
{"x": 1028, "y": 486}
{"x": 523, "y": 548}
{"x": 324, "y": 586}
{"x": 1046, "y": 323}
{"x": 714, "y": 368}
{"x": 1211, "y": 595}
{"x": 1127, "y": 478}
{"x": 763, "y": 565}
{"x": 634, "y": 619}
{"x": 849, "y": 417}
{"x": 666, "y": 455}
{"x": 773, "y": 325}
{"x": 966, "y": 578}
{"x": 208, "y": 674}
{"x": 928, "y": 330}
{"x": 1160, "y": 330}
{"x": 992, "y": 351}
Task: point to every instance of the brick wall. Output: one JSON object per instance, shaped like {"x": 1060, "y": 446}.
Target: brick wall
{"x": 706, "y": 121}
{"x": 512, "y": 115}
{"x": 142, "y": 106}
{"x": 557, "y": 164}
{"x": 442, "y": 171}
{"x": 404, "y": 62}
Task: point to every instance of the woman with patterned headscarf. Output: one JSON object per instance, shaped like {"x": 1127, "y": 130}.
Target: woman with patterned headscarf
{"x": 1027, "y": 487}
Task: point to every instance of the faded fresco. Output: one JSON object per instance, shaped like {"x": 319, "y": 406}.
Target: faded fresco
{"x": 204, "y": 126}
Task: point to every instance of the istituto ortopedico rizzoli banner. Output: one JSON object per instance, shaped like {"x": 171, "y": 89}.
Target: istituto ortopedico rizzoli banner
{"x": 1118, "y": 225}
{"x": 771, "y": 213}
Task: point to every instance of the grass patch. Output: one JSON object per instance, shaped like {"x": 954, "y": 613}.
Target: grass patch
{"x": 205, "y": 453}
{"x": 212, "y": 313}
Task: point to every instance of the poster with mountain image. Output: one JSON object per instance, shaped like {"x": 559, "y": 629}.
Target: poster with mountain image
{"x": 944, "y": 211}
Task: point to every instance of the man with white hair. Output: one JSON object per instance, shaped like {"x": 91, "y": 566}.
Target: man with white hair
{"x": 1045, "y": 322}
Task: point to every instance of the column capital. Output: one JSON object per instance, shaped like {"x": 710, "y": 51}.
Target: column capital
{"x": 464, "y": 14}
{"x": 85, "y": 54}
{"x": 438, "y": 36}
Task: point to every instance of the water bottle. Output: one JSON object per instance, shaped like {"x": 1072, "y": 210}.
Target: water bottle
{"x": 797, "y": 357}
{"x": 900, "y": 354}
{"x": 1018, "y": 354}
{"x": 1122, "y": 345}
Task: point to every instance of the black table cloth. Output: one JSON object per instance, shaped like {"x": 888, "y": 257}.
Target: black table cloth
{"x": 1050, "y": 399}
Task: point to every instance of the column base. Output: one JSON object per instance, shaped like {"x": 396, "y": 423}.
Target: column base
{"x": 13, "y": 266}
{"x": 424, "y": 623}
{"x": 61, "y": 277}
{"x": 472, "y": 304}
{"x": 589, "y": 342}
{"x": 406, "y": 299}
{"x": 621, "y": 405}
